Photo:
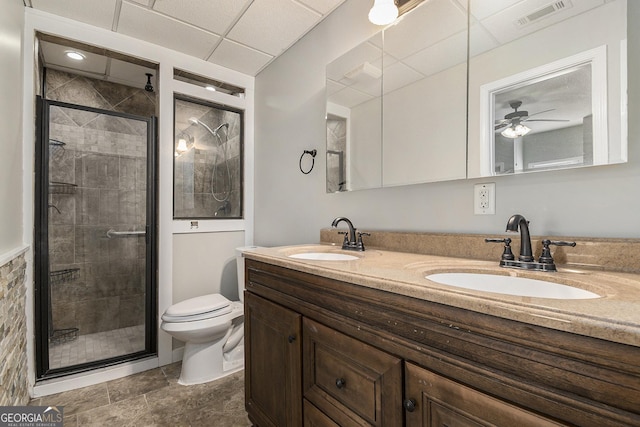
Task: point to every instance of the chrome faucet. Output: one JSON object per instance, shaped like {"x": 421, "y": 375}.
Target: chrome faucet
{"x": 518, "y": 221}
{"x": 350, "y": 242}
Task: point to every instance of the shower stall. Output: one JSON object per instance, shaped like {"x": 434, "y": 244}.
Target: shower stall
{"x": 95, "y": 238}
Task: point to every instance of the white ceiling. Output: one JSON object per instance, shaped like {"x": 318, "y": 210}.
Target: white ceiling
{"x": 243, "y": 35}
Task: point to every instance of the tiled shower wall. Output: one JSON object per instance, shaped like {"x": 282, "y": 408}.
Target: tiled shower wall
{"x": 194, "y": 170}
{"x": 336, "y": 147}
{"x": 97, "y": 283}
{"x": 13, "y": 333}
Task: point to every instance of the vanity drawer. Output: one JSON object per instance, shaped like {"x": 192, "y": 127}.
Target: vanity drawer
{"x": 346, "y": 377}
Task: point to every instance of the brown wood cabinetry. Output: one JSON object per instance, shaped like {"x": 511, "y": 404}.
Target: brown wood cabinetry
{"x": 273, "y": 372}
{"x": 435, "y": 401}
{"x": 347, "y": 378}
{"x": 326, "y": 353}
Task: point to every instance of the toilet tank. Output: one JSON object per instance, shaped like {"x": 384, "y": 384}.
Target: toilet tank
{"x": 240, "y": 265}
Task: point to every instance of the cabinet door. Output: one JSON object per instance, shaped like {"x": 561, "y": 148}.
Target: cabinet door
{"x": 435, "y": 401}
{"x": 314, "y": 418}
{"x": 273, "y": 384}
{"x": 350, "y": 381}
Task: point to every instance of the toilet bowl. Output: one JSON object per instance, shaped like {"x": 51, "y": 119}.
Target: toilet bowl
{"x": 212, "y": 328}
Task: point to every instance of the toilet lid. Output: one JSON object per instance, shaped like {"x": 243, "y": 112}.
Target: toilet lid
{"x": 206, "y": 306}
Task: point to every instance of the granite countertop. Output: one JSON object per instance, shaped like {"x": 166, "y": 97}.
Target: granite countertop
{"x": 613, "y": 317}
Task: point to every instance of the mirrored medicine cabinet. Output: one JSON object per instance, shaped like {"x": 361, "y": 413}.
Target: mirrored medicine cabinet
{"x": 455, "y": 90}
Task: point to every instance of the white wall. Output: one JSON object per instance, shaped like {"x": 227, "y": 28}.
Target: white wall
{"x": 291, "y": 207}
{"x": 205, "y": 263}
{"x": 11, "y": 224}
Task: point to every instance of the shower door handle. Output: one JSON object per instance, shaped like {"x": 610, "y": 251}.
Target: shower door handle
{"x": 113, "y": 233}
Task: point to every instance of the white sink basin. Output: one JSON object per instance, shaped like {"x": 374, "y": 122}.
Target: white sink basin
{"x": 324, "y": 256}
{"x": 509, "y": 285}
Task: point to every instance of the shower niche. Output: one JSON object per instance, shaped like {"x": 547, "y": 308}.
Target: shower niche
{"x": 208, "y": 147}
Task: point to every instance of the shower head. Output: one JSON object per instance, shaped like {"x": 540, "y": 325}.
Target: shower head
{"x": 198, "y": 122}
{"x": 224, "y": 125}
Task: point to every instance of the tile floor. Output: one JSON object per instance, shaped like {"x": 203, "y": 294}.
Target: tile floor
{"x": 101, "y": 345}
{"x": 154, "y": 399}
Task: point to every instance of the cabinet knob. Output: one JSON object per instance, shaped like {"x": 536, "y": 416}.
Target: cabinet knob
{"x": 409, "y": 405}
{"x": 291, "y": 338}
{"x": 340, "y": 383}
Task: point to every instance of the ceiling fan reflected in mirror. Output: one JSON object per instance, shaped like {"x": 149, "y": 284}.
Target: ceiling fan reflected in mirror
{"x": 513, "y": 126}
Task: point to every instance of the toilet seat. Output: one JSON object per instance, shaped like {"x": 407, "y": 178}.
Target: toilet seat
{"x": 199, "y": 308}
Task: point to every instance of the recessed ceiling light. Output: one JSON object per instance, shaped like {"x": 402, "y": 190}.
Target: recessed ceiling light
{"x": 77, "y": 56}
{"x": 210, "y": 88}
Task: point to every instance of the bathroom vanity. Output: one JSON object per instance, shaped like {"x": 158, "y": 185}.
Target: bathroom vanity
{"x": 372, "y": 342}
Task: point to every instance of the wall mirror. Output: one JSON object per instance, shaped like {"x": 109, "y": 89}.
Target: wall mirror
{"x": 207, "y": 174}
{"x": 414, "y": 71}
{"x": 424, "y": 95}
{"x": 547, "y": 85}
{"x": 354, "y": 118}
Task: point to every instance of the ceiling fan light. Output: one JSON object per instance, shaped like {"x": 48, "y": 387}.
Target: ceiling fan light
{"x": 515, "y": 131}
{"x": 383, "y": 12}
{"x": 522, "y": 130}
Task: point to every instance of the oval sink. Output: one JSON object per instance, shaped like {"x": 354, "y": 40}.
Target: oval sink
{"x": 509, "y": 285}
{"x": 324, "y": 256}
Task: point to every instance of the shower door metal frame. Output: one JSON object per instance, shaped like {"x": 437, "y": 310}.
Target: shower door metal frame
{"x": 41, "y": 244}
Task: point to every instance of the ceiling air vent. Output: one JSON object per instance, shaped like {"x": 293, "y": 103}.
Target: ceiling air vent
{"x": 543, "y": 12}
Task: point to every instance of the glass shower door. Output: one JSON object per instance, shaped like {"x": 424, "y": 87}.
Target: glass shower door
{"x": 95, "y": 295}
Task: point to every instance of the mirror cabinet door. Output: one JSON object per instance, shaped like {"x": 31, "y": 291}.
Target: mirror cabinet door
{"x": 354, "y": 118}
{"x": 424, "y": 95}
{"x": 547, "y": 85}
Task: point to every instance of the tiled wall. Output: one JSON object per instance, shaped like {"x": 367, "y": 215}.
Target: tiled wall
{"x": 13, "y": 333}
{"x": 97, "y": 283}
{"x": 193, "y": 170}
{"x": 336, "y": 147}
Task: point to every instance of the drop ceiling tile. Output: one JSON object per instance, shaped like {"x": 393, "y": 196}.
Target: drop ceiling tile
{"x": 240, "y": 58}
{"x": 273, "y": 25}
{"x": 399, "y": 75}
{"x": 480, "y": 40}
{"x": 54, "y": 54}
{"x": 356, "y": 57}
{"x": 502, "y": 25}
{"x": 322, "y": 6}
{"x": 130, "y": 74}
{"x": 144, "y": 24}
{"x": 349, "y": 98}
{"x": 439, "y": 57}
{"x": 425, "y": 25}
{"x": 212, "y": 15}
{"x": 480, "y": 9}
{"x": 99, "y": 13}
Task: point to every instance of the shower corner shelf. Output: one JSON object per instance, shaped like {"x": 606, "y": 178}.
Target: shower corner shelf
{"x": 56, "y": 143}
{"x": 56, "y": 187}
{"x": 61, "y": 336}
{"x": 63, "y": 276}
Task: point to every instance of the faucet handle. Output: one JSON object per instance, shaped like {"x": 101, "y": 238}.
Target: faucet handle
{"x": 346, "y": 237}
{"x": 507, "y": 255}
{"x": 545, "y": 256}
{"x": 360, "y": 243}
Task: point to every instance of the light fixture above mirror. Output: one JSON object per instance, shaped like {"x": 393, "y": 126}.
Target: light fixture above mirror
{"x": 383, "y": 12}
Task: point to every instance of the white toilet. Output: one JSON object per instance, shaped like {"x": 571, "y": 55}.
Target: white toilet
{"x": 212, "y": 328}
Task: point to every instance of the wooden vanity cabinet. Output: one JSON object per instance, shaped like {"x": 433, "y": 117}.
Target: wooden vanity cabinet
{"x": 273, "y": 345}
{"x": 435, "y": 401}
{"x": 324, "y": 353}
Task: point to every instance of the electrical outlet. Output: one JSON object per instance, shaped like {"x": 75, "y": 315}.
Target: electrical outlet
{"x": 484, "y": 199}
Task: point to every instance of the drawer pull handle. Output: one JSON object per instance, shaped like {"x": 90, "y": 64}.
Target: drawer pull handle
{"x": 291, "y": 338}
{"x": 409, "y": 405}
{"x": 340, "y": 383}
